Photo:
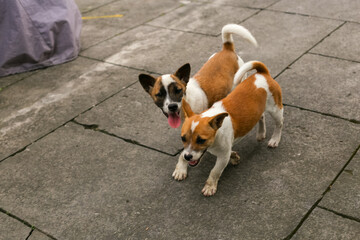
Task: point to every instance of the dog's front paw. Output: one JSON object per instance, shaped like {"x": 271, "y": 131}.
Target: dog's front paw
{"x": 179, "y": 174}
{"x": 209, "y": 189}
{"x": 273, "y": 143}
{"x": 234, "y": 158}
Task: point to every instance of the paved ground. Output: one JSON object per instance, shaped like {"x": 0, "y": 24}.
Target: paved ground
{"x": 85, "y": 154}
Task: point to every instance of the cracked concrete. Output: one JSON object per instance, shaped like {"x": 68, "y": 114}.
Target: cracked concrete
{"x": 85, "y": 154}
{"x": 12, "y": 228}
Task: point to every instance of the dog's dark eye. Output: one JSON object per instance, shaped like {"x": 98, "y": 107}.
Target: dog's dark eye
{"x": 162, "y": 93}
{"x": 199, "y": 140}
{"x": 178, "y": 90}
{"x": 183, "y": 138}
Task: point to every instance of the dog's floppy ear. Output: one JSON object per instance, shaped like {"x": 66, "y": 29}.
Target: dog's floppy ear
{"x": 183, "y": 73}
{"x": 147, "y": 82}
{"x": 216, "y": 121}
{"x": 187, "y": 109}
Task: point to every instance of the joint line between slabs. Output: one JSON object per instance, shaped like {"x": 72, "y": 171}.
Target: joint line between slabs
{"x": 313, "y": 16}
{"x": 307, "y": 51}
{"x": 25, "y": 223}
{"x": 341, "y": 170}
{"x": 272, "y": 4}
{"x": 305, "y": 217}
{"x": 21, "y": 79}
{"x": 95, "y": 128}
{"x": 324, "y": 114}
{"x": 334, "y": 57}
{"x": 128, "y": 29}
{"x": 36, "y": 140}
{"x": 32, "y": 230}
{"x": 53, "y": 130}
{"x": 340, "y": 214}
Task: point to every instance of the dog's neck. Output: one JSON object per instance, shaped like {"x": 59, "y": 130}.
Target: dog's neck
{"x": 196, "y": 96}
{"x": 224, "y": 138}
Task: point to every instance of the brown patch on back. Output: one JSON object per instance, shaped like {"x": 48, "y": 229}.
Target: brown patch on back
{"x": 217, "y": 74}
{"x": 245, "y": 104}
{"x": 275, "y": 89}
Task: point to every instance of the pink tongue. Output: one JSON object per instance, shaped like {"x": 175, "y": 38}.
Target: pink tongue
{"x": 192, "y": 162}
{"x": 174, "y": 120}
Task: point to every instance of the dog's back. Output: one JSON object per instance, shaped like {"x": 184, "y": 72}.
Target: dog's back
{"x": 217, "y": 74}
{"x": 252, "y": 97}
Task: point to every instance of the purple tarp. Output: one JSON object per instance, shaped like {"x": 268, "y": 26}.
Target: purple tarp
{"x": 37, "y": 33}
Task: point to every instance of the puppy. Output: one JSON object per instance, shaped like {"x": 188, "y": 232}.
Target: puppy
{"x": 210, "y": 84}
{"x": 215, "y": 129}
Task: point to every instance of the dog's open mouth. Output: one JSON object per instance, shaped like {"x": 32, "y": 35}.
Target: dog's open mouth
{"x": 193, "y": 163}
{"x": 174, "y": 119}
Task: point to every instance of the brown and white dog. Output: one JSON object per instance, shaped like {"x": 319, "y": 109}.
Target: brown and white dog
{"x": 215, "y": 129}
{"x": 210, "y": 84}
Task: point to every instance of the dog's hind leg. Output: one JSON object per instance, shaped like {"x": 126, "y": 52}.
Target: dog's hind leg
{"x": 277, "y": 115}
{"x": 261, "y": 132}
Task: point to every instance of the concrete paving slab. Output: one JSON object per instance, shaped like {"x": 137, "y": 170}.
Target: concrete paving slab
{"x": 36, "y": 235}
{"x": 313, "y": 83}
{"x": 244, "y": 3}
{"x": 280, "y": 36}
{"x": 88, "y": 5}
{"x": 291, "y": 178}
{"x": 325, "y": 225}
{"x": 198, "y": 17}
{"x": 80, "y": 183}
{"x": 344, "y": 196}
{"x": 8, "y": 80}
{"x": 132, "y": 114}
{"x": 344, "y": 10}
{"x": 77, "y": 182}
{"x": 340, "y": 44}
{"x": 157, "y": 49}
{"x": 41, "y": 103}
{"x": 12, "y": 229}
{"x": 134, "y": 13}
{"x": 284, "y": 37}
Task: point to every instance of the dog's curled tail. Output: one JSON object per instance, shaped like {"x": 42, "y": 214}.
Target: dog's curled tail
{"x": 248, "y": 66}
{"x": 230, "y": 29}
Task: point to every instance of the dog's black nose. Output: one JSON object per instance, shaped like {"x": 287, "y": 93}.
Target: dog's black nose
{"x": 173, "y": 107}
{"x": 188, "y": 157}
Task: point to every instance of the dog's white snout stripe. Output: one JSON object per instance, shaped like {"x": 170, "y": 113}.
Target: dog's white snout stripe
{"x": 193, "y": 125}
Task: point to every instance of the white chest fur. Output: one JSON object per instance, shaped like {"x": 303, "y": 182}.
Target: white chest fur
{"x": 224, "y": 138}
{"x": 195, "y": 96}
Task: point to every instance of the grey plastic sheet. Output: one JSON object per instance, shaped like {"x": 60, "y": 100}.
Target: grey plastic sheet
{"x": 37, "y": 33}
